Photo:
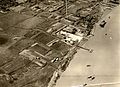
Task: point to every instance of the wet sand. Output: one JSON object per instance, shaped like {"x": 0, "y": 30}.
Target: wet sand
{"x": 104, "y": 61}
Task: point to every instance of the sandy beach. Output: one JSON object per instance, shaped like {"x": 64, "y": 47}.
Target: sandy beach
{"x": 104, "y": 61}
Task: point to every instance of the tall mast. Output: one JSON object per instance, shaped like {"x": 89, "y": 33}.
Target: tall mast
{"x": 66, "y": 3}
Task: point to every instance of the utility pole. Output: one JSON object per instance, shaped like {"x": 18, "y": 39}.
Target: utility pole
{"x": 66, "y": 3}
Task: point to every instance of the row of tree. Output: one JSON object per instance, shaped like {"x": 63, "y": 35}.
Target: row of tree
{"x": 4, "y": 4}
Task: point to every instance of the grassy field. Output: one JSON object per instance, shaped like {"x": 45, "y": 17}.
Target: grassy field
{"x": 11, "y": 19}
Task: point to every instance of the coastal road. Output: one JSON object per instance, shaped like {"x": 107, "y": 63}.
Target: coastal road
{"x": 104, "y": 61}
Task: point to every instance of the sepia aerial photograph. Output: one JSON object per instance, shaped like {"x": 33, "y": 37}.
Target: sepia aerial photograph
{"x": 59, "y": 43}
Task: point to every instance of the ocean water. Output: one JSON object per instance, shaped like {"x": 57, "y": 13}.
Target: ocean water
{"x": 104, "y": 61}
